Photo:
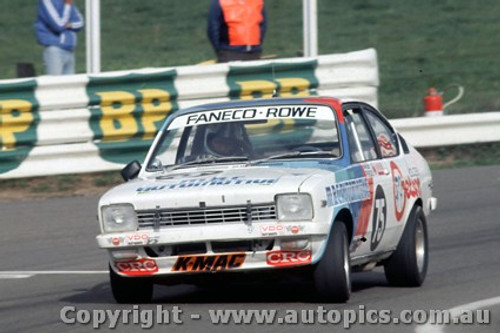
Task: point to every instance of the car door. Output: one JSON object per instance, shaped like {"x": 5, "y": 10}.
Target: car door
{"x": 370, "y": 235}
{"x": 390, "y": 161}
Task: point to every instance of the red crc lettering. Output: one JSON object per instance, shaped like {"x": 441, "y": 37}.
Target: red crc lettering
{"x": 288, "y": 258}
{"x": 137, "y": 267}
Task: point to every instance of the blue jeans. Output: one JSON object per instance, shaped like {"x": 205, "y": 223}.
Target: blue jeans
{"x": 57, "y": 61}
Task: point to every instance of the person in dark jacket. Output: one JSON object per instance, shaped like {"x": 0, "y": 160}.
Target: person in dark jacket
{"x": 55, "y": 28}
{"x": 236, "y": 29}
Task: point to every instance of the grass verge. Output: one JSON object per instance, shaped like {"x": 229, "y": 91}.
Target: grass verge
{"x": 419, "y": 43}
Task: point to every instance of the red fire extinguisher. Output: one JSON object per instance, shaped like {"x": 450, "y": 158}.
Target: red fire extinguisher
{"x": 433, "y": 103}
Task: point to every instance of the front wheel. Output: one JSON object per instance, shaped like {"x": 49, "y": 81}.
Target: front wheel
{"x": 130, "y": 290}
{"x": 332, "y": 275}
{"x": 407, "y": 267}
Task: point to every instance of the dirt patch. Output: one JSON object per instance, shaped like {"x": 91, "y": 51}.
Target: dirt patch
{"x": 39, "y": 188}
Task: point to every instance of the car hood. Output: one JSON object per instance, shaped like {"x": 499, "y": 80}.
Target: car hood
{"x": 211, "y": 186}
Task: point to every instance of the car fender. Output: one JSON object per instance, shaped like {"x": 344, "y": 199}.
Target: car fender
{"x": 338, "y": 211}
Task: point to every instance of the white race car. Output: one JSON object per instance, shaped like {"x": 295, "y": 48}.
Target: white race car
{"x": 270, "y": 186}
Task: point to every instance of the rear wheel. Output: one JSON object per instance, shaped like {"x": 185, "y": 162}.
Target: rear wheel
{"x": 130, "y": 289}
{"x": 408, "y": 264}
{"x": 332, "y": 275}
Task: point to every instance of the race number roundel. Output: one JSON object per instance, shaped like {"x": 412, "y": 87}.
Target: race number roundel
{"x": 399, "y": 192}
{"x": 379, "y": 220}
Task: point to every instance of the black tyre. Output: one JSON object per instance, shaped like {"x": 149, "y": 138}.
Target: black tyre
{"x": 332, "y": 275}
{"x": 407, "y": 267}
{"x": 131, "y": 290}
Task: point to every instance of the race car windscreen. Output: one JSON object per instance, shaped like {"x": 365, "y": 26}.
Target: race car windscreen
{"x": 297, "y": 131}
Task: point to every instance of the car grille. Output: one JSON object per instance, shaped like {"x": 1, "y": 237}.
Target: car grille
{"x": 238, "y": 214}
{"x": 216, "y": 246}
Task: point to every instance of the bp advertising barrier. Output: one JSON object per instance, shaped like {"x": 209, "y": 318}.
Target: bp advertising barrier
{"x": 282, "y": 78}
{"x": 127, "y": 111}
{"x": 86, "y": 123}
{"x": 19, "y": 118}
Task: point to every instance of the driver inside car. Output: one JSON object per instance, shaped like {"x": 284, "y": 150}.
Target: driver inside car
{"x": 222, "y": 146}
{"x": 226, "y": 139}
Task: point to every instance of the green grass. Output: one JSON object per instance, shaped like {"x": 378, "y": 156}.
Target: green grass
{"x": 107, "y": 179}
{"x": 419, "y": 43}
{"x": 460, "y": 156}
{"x": 6, "y": 184}
{"x": 66, "y": 182}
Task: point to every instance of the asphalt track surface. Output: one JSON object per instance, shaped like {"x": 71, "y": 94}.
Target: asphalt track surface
{"x": 42, "y": 240}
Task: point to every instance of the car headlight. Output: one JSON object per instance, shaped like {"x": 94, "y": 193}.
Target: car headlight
{"x": 294, "y": 207}
{"x": 119, "y": 217}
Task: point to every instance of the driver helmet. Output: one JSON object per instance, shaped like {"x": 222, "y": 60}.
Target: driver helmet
{"x": 225, "y": 139}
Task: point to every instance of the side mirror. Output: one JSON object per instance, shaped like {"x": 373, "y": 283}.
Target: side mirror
{"x": 131, "y": 170}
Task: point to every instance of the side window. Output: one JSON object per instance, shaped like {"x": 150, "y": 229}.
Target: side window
{"x": 406, "y": 150}
{"x": 386, "y": 138}
{"x": 188, "y": 148}
{"x": 361, "y": 145}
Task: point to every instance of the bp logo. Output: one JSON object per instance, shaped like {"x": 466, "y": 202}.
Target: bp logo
{"x": 284, "y": 79}
{"x": 128, "y": 110}
{"x": 379, "y": 220}
{"x": 287, "y": 80}
{"x": 18, "y": 122}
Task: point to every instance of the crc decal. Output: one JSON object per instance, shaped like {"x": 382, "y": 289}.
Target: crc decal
{"x": 404, "y": 189}
{"x": 288, "y": 258}
{"x": 379, "y": 220}
{"x": 19, "y": 119}
{"x": 202, "y": 182}
{"x": 137, "y": 267}
{"x": 209, "y": 263}
{"x": 347, "y": 192}
{"x": 128, "y": 110}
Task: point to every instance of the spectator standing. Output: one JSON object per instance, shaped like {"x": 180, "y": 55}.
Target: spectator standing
{"x": 55, "y": 27}
{"x": 236, "y": 29}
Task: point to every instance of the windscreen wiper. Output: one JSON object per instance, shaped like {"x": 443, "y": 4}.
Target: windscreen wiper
{"x": 208, "y": 160}
{"x": 292, "y": 154}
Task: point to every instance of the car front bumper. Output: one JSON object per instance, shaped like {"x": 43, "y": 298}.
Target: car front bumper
{"x": 215, "y": 248}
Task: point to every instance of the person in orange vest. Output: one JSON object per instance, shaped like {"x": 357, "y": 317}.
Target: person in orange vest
{"x": 236, "y": 29}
